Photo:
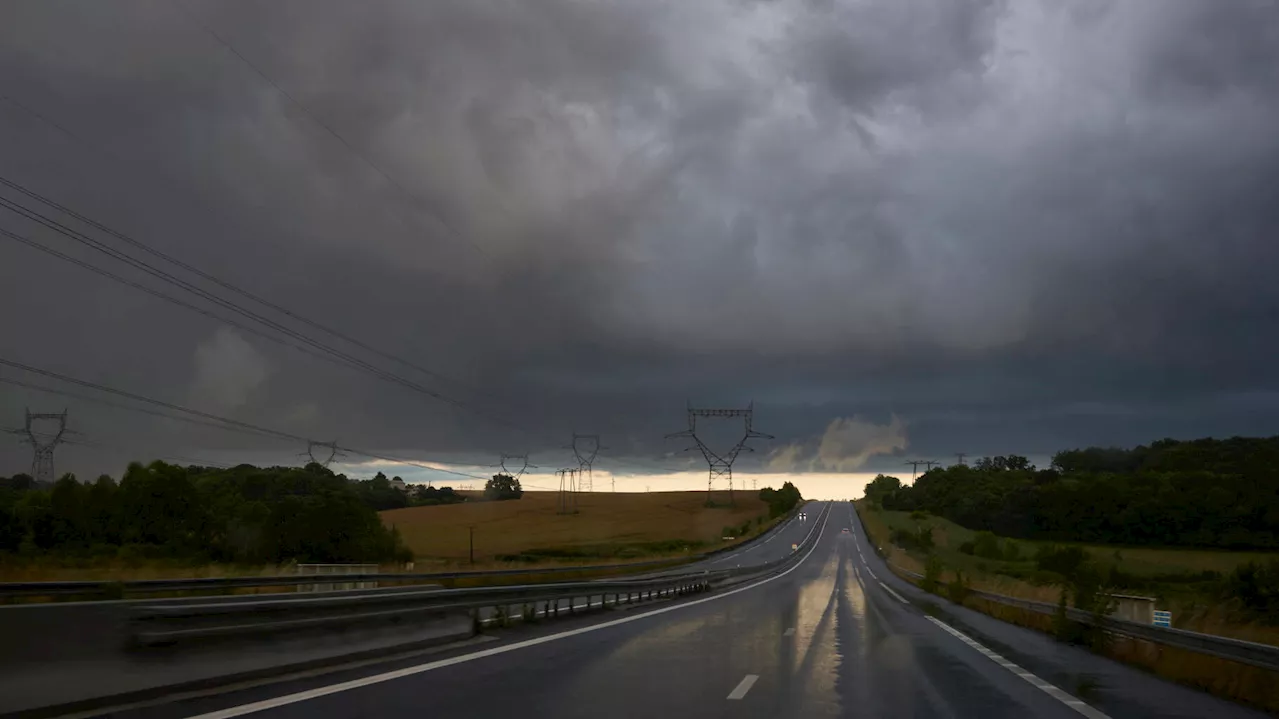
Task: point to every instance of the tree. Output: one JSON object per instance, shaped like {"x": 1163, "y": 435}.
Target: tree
{"x": 501, "y": 487}
{"x": 881, "y": 488}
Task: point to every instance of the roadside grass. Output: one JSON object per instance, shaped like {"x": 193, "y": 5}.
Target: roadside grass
{"x": 1142, "y": 561}
{"x": 1221, "y": 677}
{"x": 1174, "y": 576}
{"x": 606, "y": 527}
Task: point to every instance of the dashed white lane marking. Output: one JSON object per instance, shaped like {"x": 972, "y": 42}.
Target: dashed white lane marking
{"x": 1027, "y": 676}
{"x": 302, "y": 696}
{"x": 743, "y": 687}
{"x": 790, "y": 632}
{"x": 895, "y": 594}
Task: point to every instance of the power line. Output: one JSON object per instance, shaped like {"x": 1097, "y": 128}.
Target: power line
{"x": 223, "y": 283}
{"x": 227, "y": 285}
{"x": 178, "y": 457}
{"x": 231, "y": 422}
{"x": 161, "y": 295}
{"x": 171, "y": 279}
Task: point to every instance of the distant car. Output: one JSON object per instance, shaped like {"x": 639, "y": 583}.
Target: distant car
{"x": 845, "y": 530}
{"x": 803, "y": 516}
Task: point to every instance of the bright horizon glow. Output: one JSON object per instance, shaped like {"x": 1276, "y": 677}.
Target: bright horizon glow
{"x": 812, "y": 485}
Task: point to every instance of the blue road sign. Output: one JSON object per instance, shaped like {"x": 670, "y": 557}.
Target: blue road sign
{"x": 1162, "y": 618}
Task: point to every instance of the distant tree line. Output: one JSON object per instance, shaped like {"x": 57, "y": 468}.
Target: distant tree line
{"x": 1202, "y": 493}
{"x": 781, "y": 501}
{"x": 382, "y": 494}
{"x": 242, "y": 514}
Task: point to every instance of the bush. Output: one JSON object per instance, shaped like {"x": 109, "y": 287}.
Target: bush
{"x": 932, "y": 574}
{"x": 967, "y": 547}
{"x": 1064, "y": 561}
{"x": 957, "y": 589}
{"x": 920, "y": 538}
{"x": 1254, "y": 585}
{"x": 987, "y": 546}
{"x": 919, "y": 516}
{"x": 1012, "y": 552}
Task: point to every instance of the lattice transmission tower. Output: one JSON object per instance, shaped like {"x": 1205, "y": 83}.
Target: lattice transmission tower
{"x": 43, "y": 446}
{"x": 323, "y": 453}
{"x": 720, "y": 466}
{"x": 585, "y": 448}
{"x": 523, "y": 459}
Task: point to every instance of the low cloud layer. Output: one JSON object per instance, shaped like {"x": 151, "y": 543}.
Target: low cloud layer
{"x": 1011, "y": 226}
{"x": 845, "y": 446}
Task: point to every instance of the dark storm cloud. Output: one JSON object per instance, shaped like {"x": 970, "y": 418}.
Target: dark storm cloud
{"x": 976, "y": 226}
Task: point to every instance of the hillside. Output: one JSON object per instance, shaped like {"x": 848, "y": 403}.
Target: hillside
{"x": 606, "y": 525}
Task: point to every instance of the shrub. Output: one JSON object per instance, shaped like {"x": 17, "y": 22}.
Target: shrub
{"x": 987, "y": 546}
{"x": 957, "y": 589}
{"x": 967, "y": 547}
{"x": 1012, "y": 552}
{"x": 920, "y": 538}
{"x": 1064, "y": 561}
{"x": 932, "y": 574}
{"x": 919, "y": 515}
{"x": 1254, "y": 585}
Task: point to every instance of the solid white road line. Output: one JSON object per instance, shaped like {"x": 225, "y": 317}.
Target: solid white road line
{"x": 1030, "y": 678}
{"x": 743, "y": 687}
{"x": 280, "y": 701}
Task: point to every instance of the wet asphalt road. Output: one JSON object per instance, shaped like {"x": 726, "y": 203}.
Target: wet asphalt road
{"x": 836, "y": 636}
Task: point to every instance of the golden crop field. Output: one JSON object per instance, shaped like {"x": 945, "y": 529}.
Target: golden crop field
{"x": 531, "y": 522}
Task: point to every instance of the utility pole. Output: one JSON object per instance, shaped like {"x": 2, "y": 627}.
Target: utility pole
{"x": 720, "y": 466}
{"x": 585, "y": 448}
{"x": 566, "y": 498}
{"x": 471, "y": 543}
{"x": 928, "y": 465}
{"x": 960, "y": 458}
{"x": 42, "y": 461}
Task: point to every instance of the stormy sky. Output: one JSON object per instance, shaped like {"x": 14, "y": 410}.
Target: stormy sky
{"x": 903, "y": 229}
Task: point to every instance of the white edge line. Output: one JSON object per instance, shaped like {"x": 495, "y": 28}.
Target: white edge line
{"x": 296, "y": 697}
{"x": 1021, "y": 673}
{"x": 743, "y": 687}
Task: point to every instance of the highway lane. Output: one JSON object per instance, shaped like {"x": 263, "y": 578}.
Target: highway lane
{"x": 823, "y": 639}
{"x": 771, "y": 546}
{"x": 775, "y": 545}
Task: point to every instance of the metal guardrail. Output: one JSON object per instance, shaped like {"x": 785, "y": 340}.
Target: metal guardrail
{"x": 9, "y": 590}
{"x": 1238, "y": 650}
{"x": 168, "y": 623}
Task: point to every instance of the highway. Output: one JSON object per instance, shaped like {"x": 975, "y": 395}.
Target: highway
{"x": 825, "y": 638}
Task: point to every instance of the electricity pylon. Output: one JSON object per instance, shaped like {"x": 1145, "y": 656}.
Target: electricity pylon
{"x": 585, "y": 448}
{"x": 333, "y": 452}
{"x": 720, "y": 466}
{"x": 523, "y": 459}
{"x": 42, "y": 462}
